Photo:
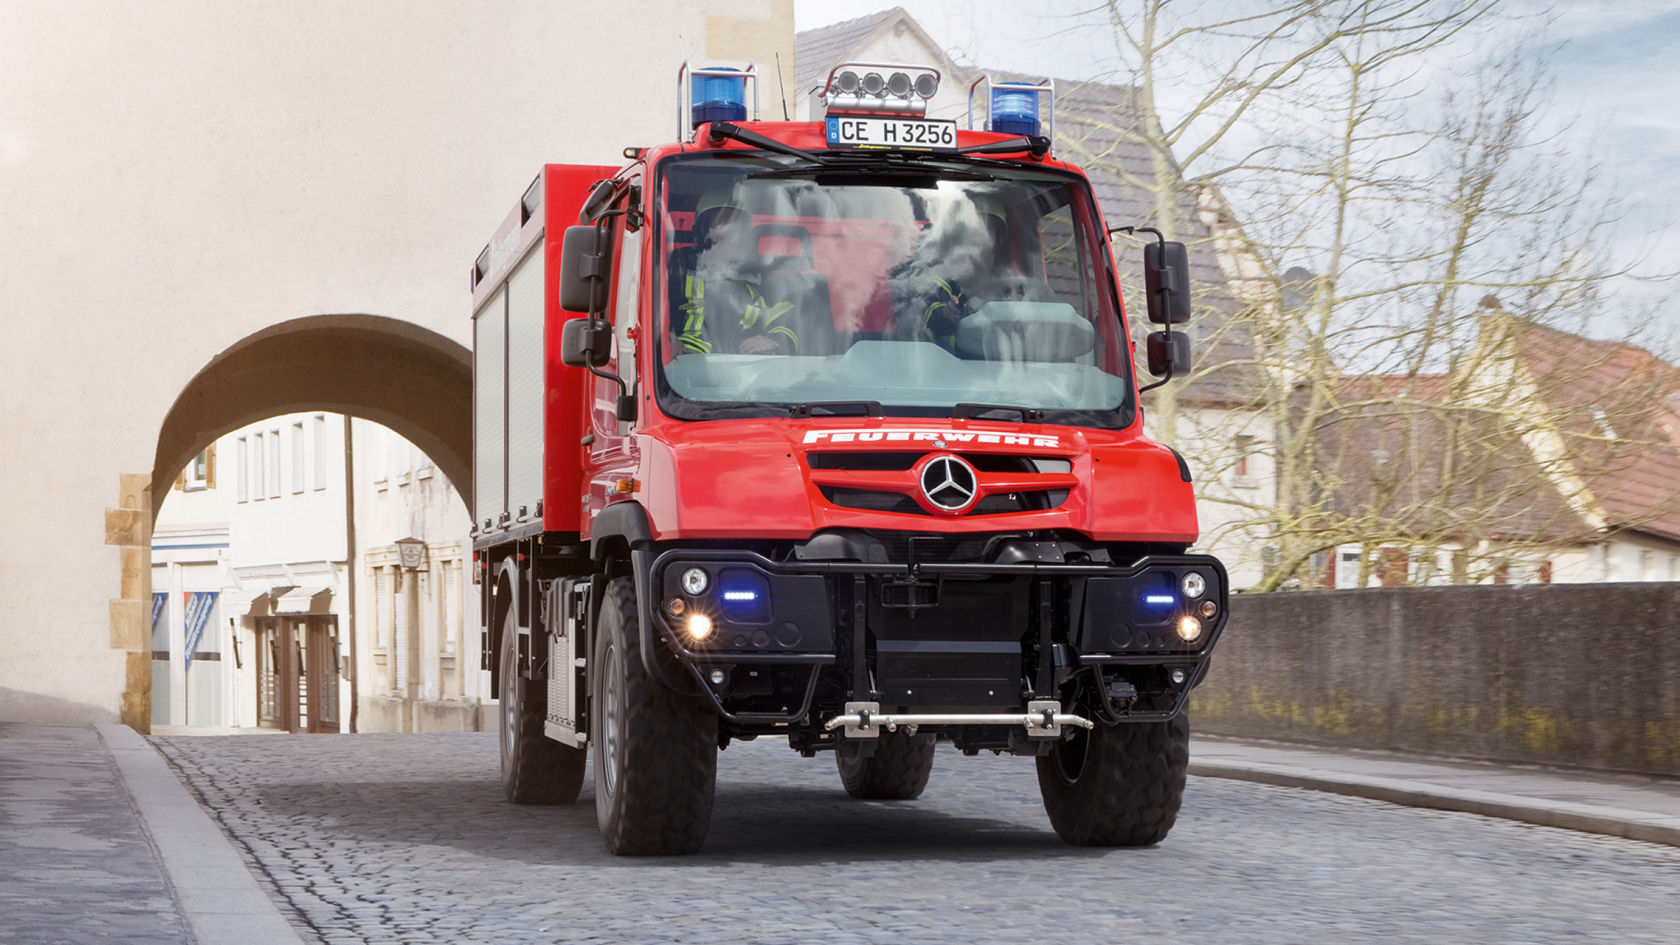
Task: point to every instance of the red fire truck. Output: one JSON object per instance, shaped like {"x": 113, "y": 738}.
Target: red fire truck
{"x": 829, "y": 431}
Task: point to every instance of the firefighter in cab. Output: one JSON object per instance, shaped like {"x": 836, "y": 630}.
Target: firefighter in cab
{"x": 719, "y": 300}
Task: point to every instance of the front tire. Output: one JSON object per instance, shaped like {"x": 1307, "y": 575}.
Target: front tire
{"x": 1117, "y": 785}
{"x": 655, "y": 750}
{"x": 898, "y": 771}
{"x": 535, "y": 768}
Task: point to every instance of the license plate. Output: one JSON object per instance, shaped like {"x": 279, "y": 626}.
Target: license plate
{"x": 902, "y": 134}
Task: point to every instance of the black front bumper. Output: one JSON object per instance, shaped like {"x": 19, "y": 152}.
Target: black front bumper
{"x": 965, "y": 636}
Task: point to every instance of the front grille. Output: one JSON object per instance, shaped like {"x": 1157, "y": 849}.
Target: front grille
{"x": 869, "y": 500}
{"x": 892, "y": 461}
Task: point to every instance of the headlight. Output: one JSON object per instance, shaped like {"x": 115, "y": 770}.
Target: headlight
{"x": 1189, "y": 629}
{"x": 700, "y": 626}
{"x": 1193, "y": 585}
{"x": 694, "y": 581}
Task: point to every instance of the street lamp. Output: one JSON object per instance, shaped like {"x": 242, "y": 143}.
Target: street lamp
{"x": 412, "y": 553}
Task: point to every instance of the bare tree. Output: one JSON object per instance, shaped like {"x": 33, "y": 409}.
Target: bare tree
{"x": 1390, "y": 416}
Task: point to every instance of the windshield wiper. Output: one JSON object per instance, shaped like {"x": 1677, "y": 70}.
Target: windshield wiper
{"x": 722, "y": 130}
{"x": 871, "y": 408}
{"x": 1036, "y": 145}
{"x": 966, "y": 411}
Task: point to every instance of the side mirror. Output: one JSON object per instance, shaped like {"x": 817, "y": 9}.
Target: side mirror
{"x": 1169, "y": 349}
{"x": 585, "y": 262}
{"x": 587, "y": 342}
{"x": 1166, "y": 280}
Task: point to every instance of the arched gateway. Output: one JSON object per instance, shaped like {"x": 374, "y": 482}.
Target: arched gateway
{"x": 393, "y": 372}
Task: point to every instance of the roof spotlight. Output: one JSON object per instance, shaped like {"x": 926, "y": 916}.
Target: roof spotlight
{"x": 846, "y": 82}
{"x": 927, "y": 84}
{"x": 873, "y": 83}
{"x": 899, "y": 84}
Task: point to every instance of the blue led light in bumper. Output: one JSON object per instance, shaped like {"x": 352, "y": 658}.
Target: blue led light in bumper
{"x": 745, "y": 596}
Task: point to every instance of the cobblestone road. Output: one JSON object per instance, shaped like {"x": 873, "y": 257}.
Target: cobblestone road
{"x": 394, "y": 838}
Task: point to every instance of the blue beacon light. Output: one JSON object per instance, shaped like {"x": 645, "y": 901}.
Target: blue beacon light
{"x": 1015, "y": 111}
{"x": 719, "y": 97}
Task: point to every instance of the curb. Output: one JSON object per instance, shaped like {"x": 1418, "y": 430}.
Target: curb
{"x": 1588, "y": 818}
{"x": 219, "y": 898}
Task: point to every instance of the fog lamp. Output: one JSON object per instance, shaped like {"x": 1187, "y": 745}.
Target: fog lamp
{"x": 694, "y": 581}
{"x": 1189, "y": 629}
{"x": 1177, "y": 676}
{"x": 718, "y": 676}
{"x": 700, "y": 626}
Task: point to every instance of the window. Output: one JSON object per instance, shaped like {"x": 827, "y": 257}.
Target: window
{"x": 1347, "y": 568}
{"x": 381, "y": 608}
{"x": 1243, "y": 470}
{"x": 273, "y": 476}
{"x": 320, "y": 426}
{"x": 297, "y": 457}
{"x": 200, "y": 473}
{"x": 399, "y": 608}
{"x": 1647, "y": 566}
{"x": 259, "y": 468}
{"x": 451, "y": 606}
{"x": 242, "y": 463}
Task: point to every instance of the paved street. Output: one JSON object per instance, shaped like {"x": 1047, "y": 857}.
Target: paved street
{"x": 393, "y": 838}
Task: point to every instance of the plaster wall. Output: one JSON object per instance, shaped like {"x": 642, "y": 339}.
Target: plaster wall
{"x": 177, "y": 176}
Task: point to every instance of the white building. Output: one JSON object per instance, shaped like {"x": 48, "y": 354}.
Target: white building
{"x": 194, "y": 197}
{"x": 262, "y": 620}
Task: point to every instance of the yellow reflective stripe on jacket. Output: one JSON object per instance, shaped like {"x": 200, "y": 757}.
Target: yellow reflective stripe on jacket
{"x": 694, "y": 311}
{"x": 771, "y": 313}
{"x": 951, "y": 297}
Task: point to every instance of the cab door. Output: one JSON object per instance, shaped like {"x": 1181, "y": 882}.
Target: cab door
{"x": 610, "y": 453}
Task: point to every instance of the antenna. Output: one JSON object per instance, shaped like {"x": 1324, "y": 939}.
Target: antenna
{"x": 781, "y": 83}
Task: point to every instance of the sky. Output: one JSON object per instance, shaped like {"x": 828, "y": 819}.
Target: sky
{"x": 1616, "y": 98}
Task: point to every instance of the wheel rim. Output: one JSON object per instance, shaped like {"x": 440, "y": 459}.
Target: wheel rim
{"x": 510, "y": 703}
{"x": 609, "y": 721}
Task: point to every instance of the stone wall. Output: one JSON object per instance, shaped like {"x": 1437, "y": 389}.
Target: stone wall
{"x": 1559, "y": 674}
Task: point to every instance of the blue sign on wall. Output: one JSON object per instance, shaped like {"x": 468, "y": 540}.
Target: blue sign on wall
{"x": 199, "y": 606}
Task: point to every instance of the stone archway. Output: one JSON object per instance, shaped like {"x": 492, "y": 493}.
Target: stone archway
{"x": 413, "y": 381}
{"x": 410, "y": 379}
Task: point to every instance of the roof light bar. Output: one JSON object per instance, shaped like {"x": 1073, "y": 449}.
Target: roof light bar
{"x": 877, "y": 88}
{"x": 1017, "y": 108}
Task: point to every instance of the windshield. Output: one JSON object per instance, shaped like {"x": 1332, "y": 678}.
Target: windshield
{"x": 905, "y": 290}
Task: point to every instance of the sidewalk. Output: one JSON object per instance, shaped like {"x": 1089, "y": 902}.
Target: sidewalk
{"x": 99, "y": 841}
{"x": 1630, "y": 806}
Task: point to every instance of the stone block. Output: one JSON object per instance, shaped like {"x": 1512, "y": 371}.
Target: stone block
{"x": 126, "y": 526}
{"x": 130, "y": 626}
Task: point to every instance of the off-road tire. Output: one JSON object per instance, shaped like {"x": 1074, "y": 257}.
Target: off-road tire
{"x": 898, "y": 771}
{"x": 655, "y": 750}
{"x": 1117, "y": 785}
{"x": 535, "y": 768}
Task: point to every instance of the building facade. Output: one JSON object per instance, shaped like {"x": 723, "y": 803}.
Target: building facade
{"x": 189, "y": 186}
{"x": 261, "y": 619}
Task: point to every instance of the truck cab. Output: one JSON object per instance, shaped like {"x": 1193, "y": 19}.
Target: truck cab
{"x": 836, "y": 431}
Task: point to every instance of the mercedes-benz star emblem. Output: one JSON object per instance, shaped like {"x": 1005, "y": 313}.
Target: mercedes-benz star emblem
{"x": 949, "y": 483}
